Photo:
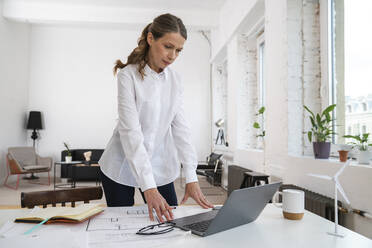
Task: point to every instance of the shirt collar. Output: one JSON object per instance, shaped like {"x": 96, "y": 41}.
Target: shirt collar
{"x": 154, "y": 74}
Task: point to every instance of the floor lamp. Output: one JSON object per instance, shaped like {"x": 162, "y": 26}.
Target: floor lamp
{"x": 34, "y": 123}
{"x": 220, "y": 134}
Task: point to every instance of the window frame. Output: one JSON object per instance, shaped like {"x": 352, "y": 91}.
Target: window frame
{"x": 261, "y": 90}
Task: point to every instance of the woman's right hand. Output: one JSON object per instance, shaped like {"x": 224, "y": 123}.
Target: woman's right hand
{"x": 156, "y": 201}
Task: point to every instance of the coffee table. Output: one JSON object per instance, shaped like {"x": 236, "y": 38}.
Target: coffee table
{"x": 64, "y": 185}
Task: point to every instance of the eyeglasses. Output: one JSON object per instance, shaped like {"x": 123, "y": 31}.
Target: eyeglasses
{"x": 160, "y": 228}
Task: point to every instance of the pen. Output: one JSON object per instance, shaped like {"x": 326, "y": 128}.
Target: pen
{"x": 35, "y": 227}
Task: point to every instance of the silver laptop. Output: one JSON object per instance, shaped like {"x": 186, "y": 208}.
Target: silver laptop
{"x": 243, "y": 206}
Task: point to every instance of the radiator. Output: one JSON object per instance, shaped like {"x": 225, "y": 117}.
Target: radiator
{"x": 319, "y": 204}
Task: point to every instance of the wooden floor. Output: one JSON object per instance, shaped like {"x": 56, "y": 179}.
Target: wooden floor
{"x": 10, "y": 198}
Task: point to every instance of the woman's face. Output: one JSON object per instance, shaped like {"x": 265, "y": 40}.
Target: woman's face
{"x": 164, "y": 50}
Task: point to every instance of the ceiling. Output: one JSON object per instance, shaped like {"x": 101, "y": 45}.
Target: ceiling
{"x": 213, "y": 5}
{"x": 198, "y": 14}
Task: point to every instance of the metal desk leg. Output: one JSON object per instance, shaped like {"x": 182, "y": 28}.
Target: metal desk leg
{"x": 54, "y": 179}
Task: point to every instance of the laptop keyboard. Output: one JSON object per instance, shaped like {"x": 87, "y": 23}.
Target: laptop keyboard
{"x": 201, "y": 226}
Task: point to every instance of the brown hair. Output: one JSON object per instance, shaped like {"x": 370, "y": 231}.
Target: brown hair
{"x": 161, "y": 25}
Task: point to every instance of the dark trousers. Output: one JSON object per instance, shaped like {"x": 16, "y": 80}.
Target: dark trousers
{"x": 119, "y": 195}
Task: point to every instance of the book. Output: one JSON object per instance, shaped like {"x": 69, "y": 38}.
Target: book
{"x": 61, "y": 214}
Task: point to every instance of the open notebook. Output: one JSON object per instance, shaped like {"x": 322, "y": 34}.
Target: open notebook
{"x": 61, "y": 214}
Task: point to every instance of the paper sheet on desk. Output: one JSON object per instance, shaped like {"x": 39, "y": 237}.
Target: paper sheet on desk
{"x": 55, "y": 239}
{"x": 115, "y": 229}
{"x": 109, "y": 239}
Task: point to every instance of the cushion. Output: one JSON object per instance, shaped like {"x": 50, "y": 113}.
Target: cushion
{"x": 35, "y": 167}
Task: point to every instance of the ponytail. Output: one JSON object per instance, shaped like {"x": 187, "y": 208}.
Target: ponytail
{"x": 138, "y": 55}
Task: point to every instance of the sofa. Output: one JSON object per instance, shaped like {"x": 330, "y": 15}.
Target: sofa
{"x": 89, "y": 172}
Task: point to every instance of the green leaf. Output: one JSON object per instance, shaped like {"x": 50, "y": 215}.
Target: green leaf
{"x": 308, "y": 110}
{"x": 309, "y": 136}
{"x": 261, "y": 110}
{"x": 365, "y": 136}
{"x": 328, "y": 117}
{"x": 329, "y": 109}
{"x": 256, "y": 125}
{"x": 319, "y": 120}
{"x": 312, "y": 121}
{"x": 349, "y": 136}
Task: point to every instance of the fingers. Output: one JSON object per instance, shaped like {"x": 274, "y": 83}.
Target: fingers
{"x": 167, "y": 212}
{"x": 194, "y": 191}
{"x": 163, "y": 209}
{"x": 200, "y": 202}
{"x": 184, "y": 199}
{"x": 206, "y": 202}
{"x": 150, "y": 212}
{"x": 159, "y": 214}
{"x": 170, "y": 212}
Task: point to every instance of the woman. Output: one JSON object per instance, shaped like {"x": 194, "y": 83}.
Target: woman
{"x": 151, "y": 138}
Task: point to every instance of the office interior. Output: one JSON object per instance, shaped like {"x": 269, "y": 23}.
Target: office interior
{"x": 57, "y": 57}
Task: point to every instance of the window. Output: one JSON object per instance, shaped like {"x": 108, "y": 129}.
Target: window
{"x": 350, "y": 66}
{"x": 261, "y": 78}
{"x": 349, "y": 108}
{"x": 364, "y": 106}
{"x": 261, "y": 83}
{"x": 364, "y": 129}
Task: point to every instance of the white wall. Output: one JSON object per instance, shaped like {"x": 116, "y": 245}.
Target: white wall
{"x": 71, "y": 82}
{"x": 14, "y": 70}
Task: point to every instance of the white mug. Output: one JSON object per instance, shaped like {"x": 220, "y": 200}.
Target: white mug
{"x": 293, "y": 203}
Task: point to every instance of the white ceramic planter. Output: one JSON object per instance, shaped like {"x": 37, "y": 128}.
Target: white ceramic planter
{"x": 68, "y": 159}
{"x": 364, "y": 157}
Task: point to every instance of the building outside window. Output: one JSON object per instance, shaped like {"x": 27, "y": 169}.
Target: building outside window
{"x": 350, "y": 66}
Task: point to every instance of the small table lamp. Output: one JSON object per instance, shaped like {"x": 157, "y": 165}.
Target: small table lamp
{"x": 34, "y": 123}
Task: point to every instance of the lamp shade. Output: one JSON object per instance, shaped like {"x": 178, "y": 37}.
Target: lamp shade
{"x": 34, "y": 120}
{"x": 219, "y": 122}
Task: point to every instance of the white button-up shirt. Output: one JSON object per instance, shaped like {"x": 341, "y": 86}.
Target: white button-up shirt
{"x": 152, "y": 136}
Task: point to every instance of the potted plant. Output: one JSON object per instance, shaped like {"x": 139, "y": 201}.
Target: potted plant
{"x": 321, "y": 131}
{"x": 256, "y": 125}
{"x": 68, "y": 158}
{"x": 261, "y": 133}
{"x": 343, "y": 152}
{"x": 361, "y": 142}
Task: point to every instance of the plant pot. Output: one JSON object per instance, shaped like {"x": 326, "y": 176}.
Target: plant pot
{"x": 322, "y": 149}
{"x": 343, "y": 155}
{"x": 68, "y": 159}
{"x": 364, "y": 157}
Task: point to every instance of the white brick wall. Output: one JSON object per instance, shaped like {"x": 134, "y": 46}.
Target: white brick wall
{"x": 247, "y": 93}
{"x": 304, "y": 79}
{"x": 311, "y": 63}
{"x": 295, "y": 82}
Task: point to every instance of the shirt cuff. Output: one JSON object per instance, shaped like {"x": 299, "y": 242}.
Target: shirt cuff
{"x": 191, "y": 176}
{"x": 147, "y": 182}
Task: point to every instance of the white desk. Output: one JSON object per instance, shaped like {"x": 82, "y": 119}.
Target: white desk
{"x": 269, "y": 230}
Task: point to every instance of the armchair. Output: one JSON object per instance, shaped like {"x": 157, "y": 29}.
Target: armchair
{"x": 211, "y": 169}
{"x": 24, "y": 160}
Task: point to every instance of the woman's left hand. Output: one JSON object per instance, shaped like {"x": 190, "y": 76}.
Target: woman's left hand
{"x": 193, "y": 190}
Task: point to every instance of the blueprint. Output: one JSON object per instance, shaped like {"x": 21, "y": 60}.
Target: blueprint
{"x": 118, "y": 226}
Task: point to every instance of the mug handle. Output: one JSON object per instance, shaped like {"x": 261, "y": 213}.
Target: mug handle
{"x": 277, "y": 204}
